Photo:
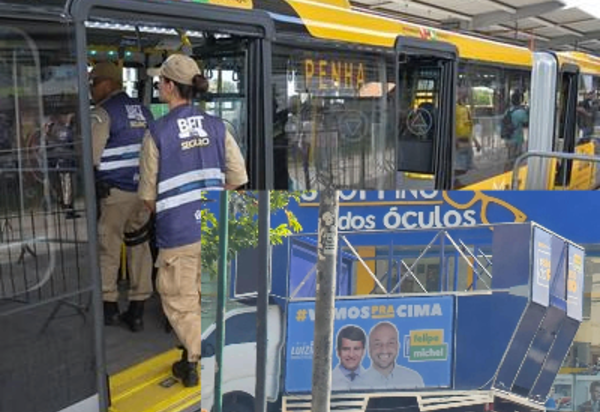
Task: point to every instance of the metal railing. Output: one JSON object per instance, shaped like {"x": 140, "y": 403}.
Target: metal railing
{"x": 453, "y": 255}
{"x": 538, "y": 175}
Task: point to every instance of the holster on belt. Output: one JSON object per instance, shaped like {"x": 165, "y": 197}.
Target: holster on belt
{"x": 143, "y": 234}
{"x": 102, "y": 192}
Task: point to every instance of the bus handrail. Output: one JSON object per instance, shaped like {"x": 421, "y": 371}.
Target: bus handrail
{"x": 546, "y": 155}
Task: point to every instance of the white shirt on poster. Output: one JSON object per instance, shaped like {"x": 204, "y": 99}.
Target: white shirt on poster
{"x": 399, "y": 378}
{"x": 342, "y": 379}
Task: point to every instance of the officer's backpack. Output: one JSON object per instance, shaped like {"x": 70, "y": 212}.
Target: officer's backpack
{"x": 507, "y": 127}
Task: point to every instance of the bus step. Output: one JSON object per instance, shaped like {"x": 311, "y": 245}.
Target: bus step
{"x": 151, "y": 387}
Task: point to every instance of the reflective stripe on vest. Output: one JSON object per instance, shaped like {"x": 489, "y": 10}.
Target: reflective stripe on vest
{"x": 120, "y": 157}
{"x": 187, "y": 187}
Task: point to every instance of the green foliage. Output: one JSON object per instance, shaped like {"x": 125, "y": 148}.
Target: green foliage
{"x": 483, "y": 97}
{"x": 243, "y": 225}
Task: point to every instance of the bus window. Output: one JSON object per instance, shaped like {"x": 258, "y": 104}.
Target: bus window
{"x": 485, "y": 92}
{"x": 47, "y": 347}
{"x": 568, "y": 116}
{"x": 587, "y": 108}
{"x": 418, "y": 117}
{"x": 332, "y": 119}
{"x": 223, "y": 59}
{"x": 426, "y": 78}
{"x": 226, "y": 73}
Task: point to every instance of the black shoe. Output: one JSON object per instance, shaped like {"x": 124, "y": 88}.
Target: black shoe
{"x": 134, "y": 317}
{"x": 111, "y": 313}
{"x": 186, "y": 371}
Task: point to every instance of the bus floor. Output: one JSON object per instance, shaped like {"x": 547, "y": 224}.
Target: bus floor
{"x": 125, "y": 349}
{"x": 139, "y": 366}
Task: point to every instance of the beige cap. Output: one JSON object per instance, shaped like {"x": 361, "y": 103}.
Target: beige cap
{"x": 177, "y": 67}
{"x": 106, "y": 70}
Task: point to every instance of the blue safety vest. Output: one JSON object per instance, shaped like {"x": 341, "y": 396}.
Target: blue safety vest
{"x": 120, "y": 161}
{"x": 191, "y": 144}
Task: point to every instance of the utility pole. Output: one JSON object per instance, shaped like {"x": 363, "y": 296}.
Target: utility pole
{"x": 262, "y": 303}
{"x": 325, "y": 299}
{"x": 221, "y": 289}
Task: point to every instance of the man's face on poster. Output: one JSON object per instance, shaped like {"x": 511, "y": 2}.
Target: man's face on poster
{"x": 595, "y": 393}
{"x": 383, "y": 346}
{"x": 351, "y": 353}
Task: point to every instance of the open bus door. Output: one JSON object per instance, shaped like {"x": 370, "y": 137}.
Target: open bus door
{"x": 234, "y": 56}
{"x": 232, "y": 48}
{"x": 565, "y": 140}
{"x": 426, "y": 79}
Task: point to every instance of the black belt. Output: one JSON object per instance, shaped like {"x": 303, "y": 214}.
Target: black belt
{"x": 140, "y": 235}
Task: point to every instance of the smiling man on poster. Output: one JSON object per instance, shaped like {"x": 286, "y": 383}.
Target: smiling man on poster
{"x": 351, "y": 347}
{"x": 384, "y": 373}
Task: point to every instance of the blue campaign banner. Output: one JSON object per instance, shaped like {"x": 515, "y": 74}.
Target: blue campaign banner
{"x": 575, "y": 283}
{"x": 569, "y": 214}
{"x": 542, "y": 262}
{"x": 379, "y": 344}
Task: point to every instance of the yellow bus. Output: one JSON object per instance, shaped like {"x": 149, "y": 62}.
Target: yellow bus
{"x": 316, "y": 93}
{"x": 336, "y": 95}
{"x": 563, "y": 120}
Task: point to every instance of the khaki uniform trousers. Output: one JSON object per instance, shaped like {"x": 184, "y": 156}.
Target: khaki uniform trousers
{"x": 178, "y": 283}
{"x": 123, "y": 212}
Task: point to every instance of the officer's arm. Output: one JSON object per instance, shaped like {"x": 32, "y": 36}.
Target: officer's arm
{"x": 148, "y": 171}
{"x": 100, "y": 133}
{"x": 235, "y": 167}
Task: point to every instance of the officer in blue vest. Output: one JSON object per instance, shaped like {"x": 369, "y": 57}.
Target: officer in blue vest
{"x": 118, "y": 126}
{"x": 185, "y": 152}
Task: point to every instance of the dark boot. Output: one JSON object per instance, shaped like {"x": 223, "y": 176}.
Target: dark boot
{"x": 186, "y": 371}
{"x": 111, "y": 313}
{"x": 134, "y": 317}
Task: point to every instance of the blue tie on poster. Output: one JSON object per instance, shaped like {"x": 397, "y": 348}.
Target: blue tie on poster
{"x": 379, "y": 344}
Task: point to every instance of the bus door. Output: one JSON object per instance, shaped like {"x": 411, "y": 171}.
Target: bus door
{"x": 230, "y": 45}
{"x": 426, "y": 78}
{"x": 47, "y": 316}
{"x": 566, "y": 137}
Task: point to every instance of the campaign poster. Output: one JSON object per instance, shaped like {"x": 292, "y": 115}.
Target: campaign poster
{"x": 542, "y": 263}
{"x": 379, "y": 344}
{"x": 575, "y": 279}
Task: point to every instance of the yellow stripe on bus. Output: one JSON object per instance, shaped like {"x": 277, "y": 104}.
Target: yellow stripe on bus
{"x": 364, "y": 281}
{"x": 329, "y": 21}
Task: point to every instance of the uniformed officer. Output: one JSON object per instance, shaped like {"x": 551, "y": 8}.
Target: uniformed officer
{"x": 118, "y": 126}
{"x": 185, "y": 152}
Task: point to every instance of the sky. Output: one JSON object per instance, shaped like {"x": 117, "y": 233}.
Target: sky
{"x": 589, "y": 6}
